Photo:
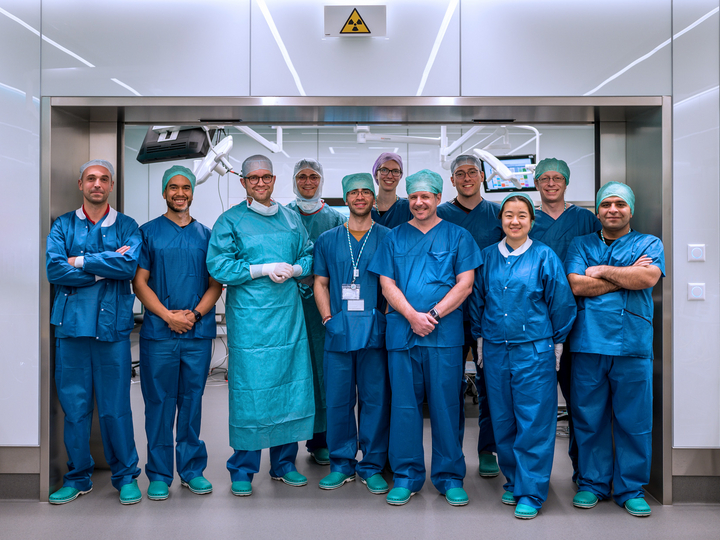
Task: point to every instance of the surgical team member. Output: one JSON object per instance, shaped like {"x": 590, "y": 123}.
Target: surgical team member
{"x": 258, "y": 248}
{"x": 522, "y": 309}
{"x": 480, "y": 217}
{"x": 612, "y": 272}
{"x": 179, "y": 296}
{"x": 389, "y": 209}
{"x": 351, "y": 306}
{"x": 91, "y": 257}
{"x": 318, "y": 217}
{"x": 426, "y": 269}
{"x": 557, "y": 222}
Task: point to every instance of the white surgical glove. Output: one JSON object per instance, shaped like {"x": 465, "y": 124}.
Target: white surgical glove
{"x": 297, "y": 270}
{"x": 558, "y": 354}
{"x": 479, "y": 353}
{"x": 278, "y": 272}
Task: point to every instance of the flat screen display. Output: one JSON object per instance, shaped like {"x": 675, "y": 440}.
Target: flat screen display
{"x": 495, "y": 184}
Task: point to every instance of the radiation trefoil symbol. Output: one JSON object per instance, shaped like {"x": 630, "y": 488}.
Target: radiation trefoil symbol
{"x": 355, "y": 24}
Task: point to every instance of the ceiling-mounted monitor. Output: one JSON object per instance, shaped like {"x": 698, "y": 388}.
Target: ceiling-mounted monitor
{"x": 517, "y": 164}
{"x": 174, "y": 143}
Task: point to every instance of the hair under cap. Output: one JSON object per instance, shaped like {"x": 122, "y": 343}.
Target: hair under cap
{"x": 523, "y": 195}
{"x": 178, "y": 170}
{"x": 384, "y": 158}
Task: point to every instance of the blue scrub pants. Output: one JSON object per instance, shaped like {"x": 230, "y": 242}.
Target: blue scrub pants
{"x": 367, "y": 369}
{"x": 612, "y": 401}
{"x": 173, "y": 373}
{"x": 438, "y": 373}
{"x": 81, "y": 366}
{"x": 564, "y": 377}
{"x": 486, "y": 439}
{"x": 522, "y": 389}
{"x": 243, "y": 464}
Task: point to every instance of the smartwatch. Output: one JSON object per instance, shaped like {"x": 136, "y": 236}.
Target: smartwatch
{"x": 197, "y": 314}
{"x": 434, "y": 314}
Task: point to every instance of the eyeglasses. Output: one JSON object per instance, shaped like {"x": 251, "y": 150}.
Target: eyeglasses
{"x": 314, "y": 178}
{"x": 546, "y": 179}
{"x": 472, "y": 173}
{"x": 253, "y": 180}
{"x": 385, "y": 171}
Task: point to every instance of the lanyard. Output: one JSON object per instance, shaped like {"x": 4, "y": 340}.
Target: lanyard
{"x": 356, "y": 272}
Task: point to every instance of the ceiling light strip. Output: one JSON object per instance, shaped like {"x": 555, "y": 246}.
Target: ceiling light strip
{"x": 436, "y": 46}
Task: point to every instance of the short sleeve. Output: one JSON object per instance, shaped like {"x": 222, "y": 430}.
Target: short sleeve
{"x": 144, "y": 261}
{"x": 382, "y": 262}
{"x": 576, "y": 260}
{"x": 469, "y": 256}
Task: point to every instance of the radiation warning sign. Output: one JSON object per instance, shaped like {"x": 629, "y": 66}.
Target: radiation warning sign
{"x": 355, "y": 24}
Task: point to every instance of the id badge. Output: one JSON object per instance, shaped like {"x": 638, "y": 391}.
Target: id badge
{"x": 351, "y": 292}
{"x": 356, "y": 305}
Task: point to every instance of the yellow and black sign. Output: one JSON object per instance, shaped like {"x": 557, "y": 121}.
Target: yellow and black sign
{"x": 355, "y": 24}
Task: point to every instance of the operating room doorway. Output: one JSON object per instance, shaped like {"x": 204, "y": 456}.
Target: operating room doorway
{"x": 625, "y": 139}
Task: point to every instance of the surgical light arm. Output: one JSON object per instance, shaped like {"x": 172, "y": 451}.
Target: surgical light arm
{"x": 498, "y": 167}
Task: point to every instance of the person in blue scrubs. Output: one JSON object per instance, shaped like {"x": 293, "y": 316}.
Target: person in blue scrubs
{"x": 352, "y": 309}
{"x": 318, "y": 217}
{"x": 522, "y": 310}
{"x": 557, "y": 222}
{"x": 259, "y": 248}
{"x": 426, "y": 269}
{"x": 480, "y": 217}
{"x": 613, "y": 272}
{"x": 389, "y": 209}
{"x": 91, "y": 257}
{"x": 176, "y": 336}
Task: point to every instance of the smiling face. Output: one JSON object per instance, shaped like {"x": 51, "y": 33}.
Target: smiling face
{"x": 178, "y": 194}
{"x": 388, "y": 181}
{"x": 516, "y": 221}
{"x": 96, "y": 185}
{"x": 307, "y": 182}
{"x": 423, "y": 204}
{"x": 360, "y": 202}
{"x": 614, "y": 214}
{"x": 552, "y": 186}
{"x": 254, "y": 184}
{"x": 467, "y": 179}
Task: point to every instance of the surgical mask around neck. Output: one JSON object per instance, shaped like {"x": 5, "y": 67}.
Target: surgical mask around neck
{"x": 262, "y": 209}
{"x": 309, "y": 206}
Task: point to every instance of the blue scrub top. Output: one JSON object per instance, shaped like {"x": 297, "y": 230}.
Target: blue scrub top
{"x": 616, "y": 323}
{"x": 347, "y": 330}
{"x": 522, "y": 298}
{"x": 95, "y": 300}
{"x": 558, "y": 233}
{"x": 424, "y": 267}
{"x": 175, "y": 257}
{"x": 397, "y": 214}
{"x": 320, "y": 221}
{"x": 482, "y": 221}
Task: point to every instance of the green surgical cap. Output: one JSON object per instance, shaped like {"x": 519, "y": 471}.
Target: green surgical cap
{"x": 424, "y": 180}
{"x": 553, "y": 164}
{"x": 357, "y": 181}
{"x": 520, "y": 194}
{"x": 616, "y": 189}
{"x": 178, "y": 170}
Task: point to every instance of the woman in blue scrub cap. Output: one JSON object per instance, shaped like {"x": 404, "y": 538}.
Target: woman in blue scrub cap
{"x": 521, "y": 311}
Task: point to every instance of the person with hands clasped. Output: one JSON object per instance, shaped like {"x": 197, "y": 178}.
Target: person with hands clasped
{"x": 521, "y": 311}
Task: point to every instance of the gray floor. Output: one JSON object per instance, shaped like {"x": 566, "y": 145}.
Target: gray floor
{"x": 279, "y": 511}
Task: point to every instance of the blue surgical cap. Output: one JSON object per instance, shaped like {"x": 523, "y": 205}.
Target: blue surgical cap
{"x": 178, "y": 170}
{"x": 616, "y": 189}
{"x": 520, "y": 194}
{"x": 424, "y": 180}
{"x": 465, "y": 159}
{"x": 357, "y": 181}
{"x": 553, "y": 164}
{"x": 101, "y": 163}
{"x": 255, "y": 163}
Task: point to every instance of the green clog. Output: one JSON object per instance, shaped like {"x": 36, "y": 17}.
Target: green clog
{"x": 399, "y": 496}
{"x": 456, "y": 496}
{"x": 488, "y": 465}
{"x": 241, "y": 489}
{"x": 376, "y": 484}
{"x": 158, "y": 491}
{"x": 321, "y": 456}
{"x": 584, "y": 499}
{"x": 198, "y": 485}
{"x": 66, "y": 494}
{"x": 523, "y": 511}
{"x": 130, "y": 493}
{"x": 335, "y": 479}
{"x": 638, "y": 507}
{"x": 293, "y": 478}
{"x": 508, "y": 499}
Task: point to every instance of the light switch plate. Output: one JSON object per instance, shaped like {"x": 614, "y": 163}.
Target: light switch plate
{"x": 696, "y": 252}
{"x": 696, "y": 291}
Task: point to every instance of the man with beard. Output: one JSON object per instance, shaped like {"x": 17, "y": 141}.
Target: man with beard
{"x": 179, "y": 296}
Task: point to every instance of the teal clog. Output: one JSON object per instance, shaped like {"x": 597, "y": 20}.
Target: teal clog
{"x": 198, "y": 485}
{"x": 158, "y": 491}
{"x": 130, "y": 493}
{"x": 638, "y": 507}
{"x": 321, "y": 456}
{"x": 523, "y": 511}
{"x": 66, "y": 494}
{"x": 584, "y": 499}
{"x": 335, "y": 480}
{"x": 456, "y": 496}
{"x": 399, "y": 496}
{"x": 488, "y": 465}
{"x": 293, "y": 478}
{"x": 508, "y": 499}
{"x": 376, "y": 484}
{"x": 241, "y": 489}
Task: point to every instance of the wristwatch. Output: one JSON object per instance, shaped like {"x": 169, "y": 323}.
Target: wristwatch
{"x": 434, "y": 314}
{"x": 197, "y": 314}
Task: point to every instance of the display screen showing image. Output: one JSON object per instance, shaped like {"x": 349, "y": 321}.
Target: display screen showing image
{"x": 516, "y": 164}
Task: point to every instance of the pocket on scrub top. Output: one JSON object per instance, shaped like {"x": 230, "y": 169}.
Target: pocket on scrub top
{"x": 439, "y": 266}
